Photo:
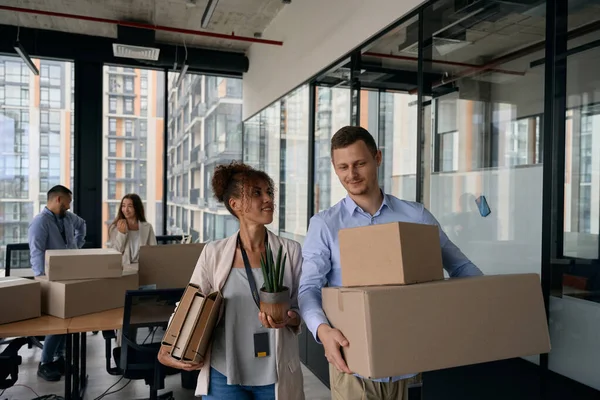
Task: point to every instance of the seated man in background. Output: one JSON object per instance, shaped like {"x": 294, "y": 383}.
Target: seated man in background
{"x": 53, "y": 229}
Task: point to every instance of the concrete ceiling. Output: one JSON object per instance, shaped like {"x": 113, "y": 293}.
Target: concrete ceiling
{"x": 242, "y": 17}
{"x": 485, "y": 41}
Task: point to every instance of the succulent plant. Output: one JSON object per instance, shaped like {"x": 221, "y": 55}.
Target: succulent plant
{"x": 273, "y": 271}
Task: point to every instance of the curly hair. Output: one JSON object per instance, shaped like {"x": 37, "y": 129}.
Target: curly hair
{"x": 232, "y": 180}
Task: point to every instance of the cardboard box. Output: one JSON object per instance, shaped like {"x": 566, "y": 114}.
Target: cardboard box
{"x": 28, "y": 294}
{"x": 67, "y": 299}
{"x": 396, "y": 330}
{"x": 168, "y": 266}
{"x": 62, "y": 265}
{"x": 397, "y": 253}
{"x": 188, "y": 336}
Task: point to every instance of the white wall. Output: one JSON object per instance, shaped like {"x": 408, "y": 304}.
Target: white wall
{"x": 315, "y": 33}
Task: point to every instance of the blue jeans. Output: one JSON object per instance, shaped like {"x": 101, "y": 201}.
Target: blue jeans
{"x": 54, "y": 346}
{"x": 219, "y": 390}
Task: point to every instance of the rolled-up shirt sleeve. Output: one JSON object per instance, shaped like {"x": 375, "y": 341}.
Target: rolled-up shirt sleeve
{"x": 38, "y": 239}
{"x": 316, "y": 265}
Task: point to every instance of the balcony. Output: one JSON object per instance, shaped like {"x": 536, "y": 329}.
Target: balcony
{"x": 113, "y": 135}
{"x": 227, "y": 145}
{"x": 194, "y": 196}
{"x": 121, "y": 178}
{"x": 120, "y": 92}
{"x": 197, "y": 157}
{"x": 175, "y": 198}
{"x": 199, "y": 111}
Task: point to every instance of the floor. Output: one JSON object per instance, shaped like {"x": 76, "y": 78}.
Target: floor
{"x": 99, "y": 381}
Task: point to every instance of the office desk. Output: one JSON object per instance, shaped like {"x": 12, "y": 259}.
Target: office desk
{"x": 76, "y": 343}
{"x": 41, "y": 326}
{"x": 100, "y": 321}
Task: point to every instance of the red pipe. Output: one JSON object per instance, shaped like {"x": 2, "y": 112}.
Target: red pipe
{"x": 144, "y": 26}
{"x": 453, "y": 63}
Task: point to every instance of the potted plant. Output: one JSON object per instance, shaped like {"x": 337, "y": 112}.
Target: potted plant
{"x": 274, "y": 296}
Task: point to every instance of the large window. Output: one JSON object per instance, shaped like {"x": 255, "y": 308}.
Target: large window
{"x": 125, "y": 140}
{"x": 573, "y": 307}
{"x": 36, "y": 143}
{"x": 204, "y": 131}
{"x": 293, "y": 201}
{"x": 262, "y": 136}
{"x": 332, "y": 113}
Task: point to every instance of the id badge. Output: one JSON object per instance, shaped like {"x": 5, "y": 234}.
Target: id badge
{"x": 261, "y": 345}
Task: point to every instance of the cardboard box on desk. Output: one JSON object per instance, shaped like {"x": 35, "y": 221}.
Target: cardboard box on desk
{"x": 397, "y": 253}
{"x": 62, "y": 265}
{"x": 168, "y": 266}
{"x": 67, "y": 299}
{"x": 190, "y": 330}
{"x": 19, "y": 299}
{"x": 397, "y": 330}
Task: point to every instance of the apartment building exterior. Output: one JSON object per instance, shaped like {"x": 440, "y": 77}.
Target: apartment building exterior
{"x": 205, "y": 130}
{"x": 36, "y": 143}
{"x": 133, "y": 141}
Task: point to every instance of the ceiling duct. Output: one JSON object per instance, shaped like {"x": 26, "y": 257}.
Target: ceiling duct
{"x": 136, "y": 43}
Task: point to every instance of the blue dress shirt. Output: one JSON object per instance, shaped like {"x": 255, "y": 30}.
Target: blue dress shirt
{"x": 321, "y": 251}
{"x": 48, "y": 231}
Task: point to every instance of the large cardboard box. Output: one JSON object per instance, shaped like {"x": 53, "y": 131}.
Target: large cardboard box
{"x": 189, "y": 333}
{"x": 396, "y": 330}
{"x": 19, "y": 299}
{"x": 398, "y": 253}
{"x": 62, "y": 265}
{"x": 168, "y": 266}
{"x": 67, "y": 299}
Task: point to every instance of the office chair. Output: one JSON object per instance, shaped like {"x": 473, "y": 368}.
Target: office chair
{"x": 137, "y": 358}
{"x": 169, "y": 239}
{"x": 9, "y": 363}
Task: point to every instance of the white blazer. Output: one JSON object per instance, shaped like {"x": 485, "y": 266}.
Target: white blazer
{"x": 211, "y": 273}
{"x": 119, "y": 242}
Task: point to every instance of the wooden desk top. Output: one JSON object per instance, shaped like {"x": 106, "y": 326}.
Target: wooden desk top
{"x": 100, "y": 321}
{"x": 41, "y": 326}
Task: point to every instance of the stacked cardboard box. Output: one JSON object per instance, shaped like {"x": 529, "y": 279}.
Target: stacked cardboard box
{"x": 26, "y": 292}
{"x": 400, "y": 316}
{"x": 190, "y": 330}
{"x": 169, "y": 266}
{"x": 84, "y": 281}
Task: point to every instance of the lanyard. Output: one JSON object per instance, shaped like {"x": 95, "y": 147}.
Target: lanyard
{"x": 251, "y": 281}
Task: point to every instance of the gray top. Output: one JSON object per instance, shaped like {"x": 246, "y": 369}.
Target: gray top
{"x": 233, "y": 344}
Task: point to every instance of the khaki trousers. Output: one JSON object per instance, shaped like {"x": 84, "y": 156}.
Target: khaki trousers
{"x": 349, "y": 387}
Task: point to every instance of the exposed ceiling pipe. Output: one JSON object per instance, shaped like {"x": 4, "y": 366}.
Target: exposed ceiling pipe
{"x": 144, "y": 26}
{"x": 443, "y": 62}
{"x": 575, "y": 33}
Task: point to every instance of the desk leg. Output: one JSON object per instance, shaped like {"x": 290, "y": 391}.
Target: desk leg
{"x": 76, "y": 360}
{"x": 68, "y": 367}
{"x": 82, "y": 367}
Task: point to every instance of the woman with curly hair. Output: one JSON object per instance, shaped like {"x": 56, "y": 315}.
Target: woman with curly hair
{"x": 231, "y": 369}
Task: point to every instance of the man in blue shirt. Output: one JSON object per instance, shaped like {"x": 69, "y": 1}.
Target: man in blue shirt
{"x": 53, "y": 229}
{"x": 356, "y": 159}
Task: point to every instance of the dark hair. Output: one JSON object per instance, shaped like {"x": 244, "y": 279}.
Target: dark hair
{"x": 58, "y": 190}
{"x": 230, "y": 180}
{"x": 351, "y": 134}
{"x": 138, "y": 207}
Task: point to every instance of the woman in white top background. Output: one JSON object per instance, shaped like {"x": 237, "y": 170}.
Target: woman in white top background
{"x": 130, "y": 230}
